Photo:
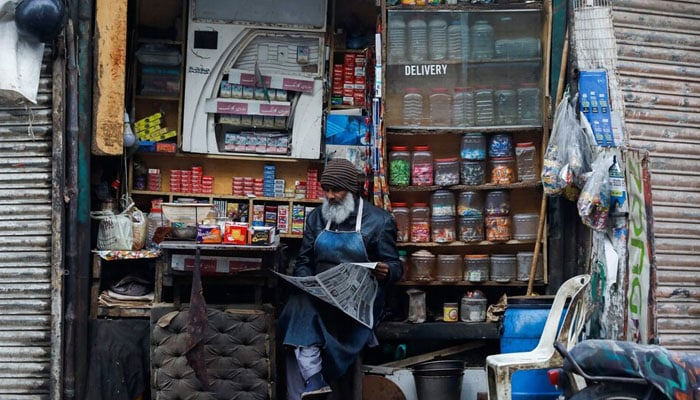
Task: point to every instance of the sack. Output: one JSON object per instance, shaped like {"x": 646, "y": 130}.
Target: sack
{"x": 115, "y": 231}
{"x": 140, "y": 228}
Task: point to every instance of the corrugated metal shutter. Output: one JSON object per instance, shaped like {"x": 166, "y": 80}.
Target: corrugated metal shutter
{"x": 659, "y": 64}
{"x": 26, "y": 245}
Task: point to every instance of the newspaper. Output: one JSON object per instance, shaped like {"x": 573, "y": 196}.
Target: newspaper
{"x": 348, "y": 286}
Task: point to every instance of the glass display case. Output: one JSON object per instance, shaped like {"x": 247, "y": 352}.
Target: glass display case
{"x": 460, "y": 68}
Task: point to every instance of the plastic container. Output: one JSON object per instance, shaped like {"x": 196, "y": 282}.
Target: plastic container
{"x": 529, "y": 108}
{"x": 442, "y": 229}
{"x": 396, "y": 39}
{"x": 440, "y": 107}
{"x": 484, "y": 112}
{"x": 473, "y": 147}
{"x": 403, "y": 221}
{"x": 462, "y": 107}
{"x": 526, "y": 161}
{"x": 399, "y": 166}
{"x": 412, "y": 107}
{"x": 525, "y": 263}
{"x": 422, "y": 166}
{"x": 439, "y": 380}
{"x": 417, "y": 35}
{"x": 447, "y": 171}
{"x": 470, "y": 204}
{"x": 449, "y": 268}
{"x": 437, "y": 38}
{"x": 503, "y": 267}
{"x": 523, "y": 324}
{"x": 473, "y": 307}
{"x": 497, "y": 202}
{"x": 506, "y": 106}
{"x": 502, "y": 170}
{"x": 481, "y": 41}
{"x": 476, "y": 267}
{"x": 420, "y": 223}
{"x": 500, "y": 145}
{"x": 525, "y": 226}
{"x": 498, "y": 228}
{"x": 471, "y": 229}
{"x": 442, "y": 204}
{"x": 472, "y": 172}
{"x": 422, "y": 266}
{"x": 458, "y": 41}
{"x": 154, "y": 221}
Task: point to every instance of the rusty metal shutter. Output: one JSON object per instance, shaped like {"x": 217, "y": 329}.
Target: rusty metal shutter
{"x": 659, "y": 65}
{"x": 29, "y": 341}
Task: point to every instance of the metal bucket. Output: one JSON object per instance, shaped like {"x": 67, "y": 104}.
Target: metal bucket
{"x": 439, "y": 379}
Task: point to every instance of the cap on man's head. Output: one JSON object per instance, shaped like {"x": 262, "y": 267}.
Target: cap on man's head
{"x": 340, "y": 174}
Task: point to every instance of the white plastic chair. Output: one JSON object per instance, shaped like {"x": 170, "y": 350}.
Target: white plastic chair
{"x": 500, "y": 367}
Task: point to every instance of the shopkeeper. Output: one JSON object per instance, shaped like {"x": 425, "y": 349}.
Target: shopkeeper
{"x": 321, "y": 342}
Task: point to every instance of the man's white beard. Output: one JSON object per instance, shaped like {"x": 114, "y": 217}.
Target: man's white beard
{"x": 337, "y": 213}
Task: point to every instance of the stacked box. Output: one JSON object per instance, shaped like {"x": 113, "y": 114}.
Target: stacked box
{"x": 312, "y": 183}
{"x": 207, "y": 184}
{"x": 300, "y": 190}
{"x": 269, "y": 180}
{"x": 279, "y": 188}
{"x": 258, "y": 215}
{"x": 337, "y": 85}
{"x": 271, "y": 215}
{"x": 297, "y": 219}
{"x": 283, "y": 218}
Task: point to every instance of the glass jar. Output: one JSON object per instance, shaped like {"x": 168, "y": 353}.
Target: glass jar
{"x": 417, "y": 34}
{"x": 503, "y": 267}
{"x": 529, "y": 110}
{"x": 457, "y": 41}
{"x": 396, "y": 39}
{"x": 472, "y": 172}
{"x": 420, "y": 223}
{"x": 476, "y": 267}
{"x": 443, "y": 229}
{"x": 497, "y": 202}
{"x": 481, "y": 40}
{"x": 498, "y": 228}
{"x": 422, "y": 166}
{"x": 483, "y": 106}
{"x": 502, "y": 170}
{"x": 471, "y": 229}
{"x": 440, "y": 107}
{"x": 500, "y": 145}
{"x": 525, "y": 226}
{"x": 526, "y": 160}
{"x": 412, "y": 107}
{"x": 470, "y": 204}
{"x": 449, "y": 268}
{"x": 462, "y": 107}
{"x": 446, "y": 171}
{"x": 442, "y": 203}
{"x": 399, "y": 166}
{"x": 403, "y": 221}
{"x": 422, "y": 266}
{"x": 473, "y": 147}
{"x": 437, "y": 38}
{"x": 506, "y": 105}
{"x": 473, "y": 307}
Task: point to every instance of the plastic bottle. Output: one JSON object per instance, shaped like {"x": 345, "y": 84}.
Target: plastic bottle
{"x": 417, "y": 34}
{"x": 529, "y": 112}
{"x": 506, "y": 105}
{"x": 457, "y": 41}
{"x": 412, "y": 107}
{"x": 154, "y": 221}
{"x": 437, "y": 34}
{"x": 483, "y": 106}
{"x": 462, "y": 103}
{"x": 396, "y": 32}
{"x": 440, "y": 107}
{"x": 618, "y": 190}
{"x": 481, "y": 41}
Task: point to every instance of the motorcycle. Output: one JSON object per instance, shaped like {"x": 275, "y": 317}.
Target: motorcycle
{"x": 625, "y": 370}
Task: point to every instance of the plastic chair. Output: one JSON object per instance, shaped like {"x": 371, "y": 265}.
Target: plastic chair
{"x": 500, "y": 367}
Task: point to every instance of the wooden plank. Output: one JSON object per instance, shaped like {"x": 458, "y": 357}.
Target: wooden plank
{"x": 110, "y": 76}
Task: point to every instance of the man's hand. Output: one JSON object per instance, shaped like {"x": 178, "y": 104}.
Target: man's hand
{"x": 381, "y": 271}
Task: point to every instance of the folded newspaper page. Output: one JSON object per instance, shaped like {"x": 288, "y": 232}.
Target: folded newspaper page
{"x": 348, "y": 286}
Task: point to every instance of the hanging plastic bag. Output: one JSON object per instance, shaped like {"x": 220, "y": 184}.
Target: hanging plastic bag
{"x": 594, "y": 202}
{"x": 554, "y": 169}
{"x": 115, "y": 231}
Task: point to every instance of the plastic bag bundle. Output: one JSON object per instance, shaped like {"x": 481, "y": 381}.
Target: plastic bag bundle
{"x": 594, "y": 202}
{"x": 115, "y": 231}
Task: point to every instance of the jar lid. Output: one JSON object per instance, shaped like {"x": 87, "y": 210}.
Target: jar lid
{"x": 502, "y": 159}
{"x": 412, "y": 90}
{"x": 524, "y": 144}
{"x": 473, "y": 134}
{"x": 461, "y": 89}
{"x": 398, "y": 204}
{"x": 439, "y": 90}
{"x": 421, "y": 148}
{"x": 446, "y": 160}
{"x": 399, "y": 148}
{"x": 420, "y": 204}
{"x": 476, "y": 256}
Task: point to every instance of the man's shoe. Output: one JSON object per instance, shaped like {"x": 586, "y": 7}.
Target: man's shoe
{"x": 316, "y": 387}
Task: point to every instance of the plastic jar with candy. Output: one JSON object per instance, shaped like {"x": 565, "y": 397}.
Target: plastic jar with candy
{"x": 446, "y": 171}
{"x": 399, "y": 166}
{"x": 422, "y": 166}
{"x": 471, "y": 229}
{"x": 472, "y": 172}
{"x": 442, "y": 203}
{"x": 443, "y": 229}
{"x": 422, "y": 266}
{"x": 420, "y": 223}
{"x": 473, "y": 147}
{"x": 500, "y": 145}
{"x": 476, "y": 267}
{"x": 498, "y": 228}
{"x": 403, "y": 221}
{"x": 497, "y": 202}
{"x": 470, "y": 203}
{"x": 502, "y": 170}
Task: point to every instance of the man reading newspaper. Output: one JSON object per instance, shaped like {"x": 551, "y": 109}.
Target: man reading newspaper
{"x": 321, "y": 341}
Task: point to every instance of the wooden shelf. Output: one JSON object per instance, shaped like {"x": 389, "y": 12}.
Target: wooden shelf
{"x": 505, "y": 62}
{"x": 535, "y": 5}
{"x": 466, "y": 283}
{"x": 389, "y": 330}
{"x": 124, "y": 312}
{"x": 487, "y": 186}
{"x": 226, "y": 196}
{"x": 191, "y": 245}
{"x": 433, "y": 130}
{"x": 466, "y": 244}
